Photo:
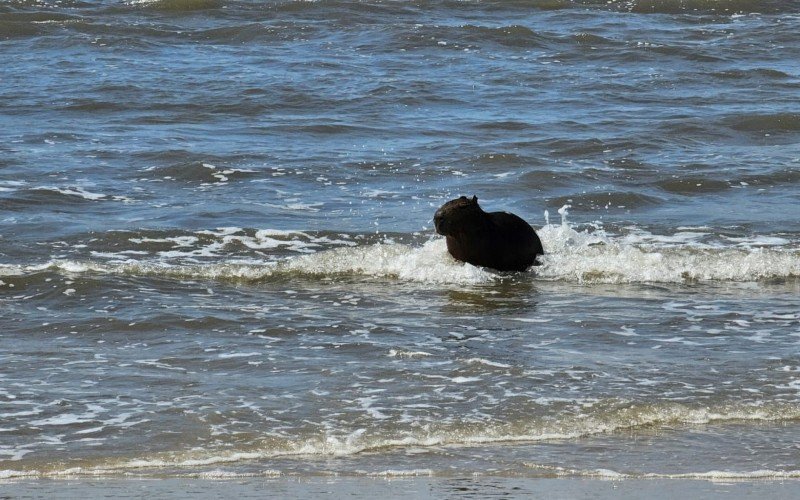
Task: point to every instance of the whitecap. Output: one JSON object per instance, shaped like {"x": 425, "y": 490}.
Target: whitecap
{"x": 403, "y": 473}
{"x": 597, "y": 257}
{"x": 239, "y": 355}
{"x": 400, "y": 353}
{"x": 83, "y": 193}
{"x": 486, "y": 362}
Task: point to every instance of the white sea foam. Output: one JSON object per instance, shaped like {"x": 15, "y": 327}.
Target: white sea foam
{"x": 347, "y": 443}
{"x": 10, "y": 186}
{"x": 18, "y": 474}
{"x": 264, "y": 239}
{"x": 225, "y": 474}
{"x": 427, "y": 264}
{"x": 179, "y": 241}
{"x": 403, "y": 473}
{"x": 727, "y": 475}
{"x": 239, "y": 355}
{"x": 400, "y": 353}
{"x": 66, "y": 419}
{"x": 712, "y": 475}
{"x": 80, "y": 192}
{"x": 760, "y": 241}
{"x": 83, "y": 193}
{"x": 486, "y": 362}
{"x": 587, "y": 256}
{"x": 639, "y": 257}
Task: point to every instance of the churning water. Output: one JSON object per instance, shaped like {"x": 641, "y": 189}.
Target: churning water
{"x": 217, "y": 256}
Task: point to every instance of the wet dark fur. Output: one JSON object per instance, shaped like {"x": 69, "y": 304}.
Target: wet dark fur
{"x": 498, "y": 240}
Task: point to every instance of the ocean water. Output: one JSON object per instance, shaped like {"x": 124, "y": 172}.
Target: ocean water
{"x": 217, "y": 257}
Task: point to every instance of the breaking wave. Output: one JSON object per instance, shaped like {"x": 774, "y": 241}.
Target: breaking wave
{"x": 429, "y": 264}
{"x": 711, "y": 475}
{"x": 686, "y": 256}
{"x": 587, "y": 256}
{"x": 596, "y": 421}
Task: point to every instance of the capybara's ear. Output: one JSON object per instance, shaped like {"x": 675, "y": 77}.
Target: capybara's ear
{"x": 474, "y": 199}
{"x": 463, "y": 198}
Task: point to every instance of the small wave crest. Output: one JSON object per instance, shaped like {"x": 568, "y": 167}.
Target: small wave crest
{"x": 198, "y": 171}
{"x": 602, "y": 418}
{"x": 594, "y": 256}
{"x": 22, "y": 195}
{"x": 428, "y": 264}
{"x": 712, "y": 475}
{"x": 591, "y": 255}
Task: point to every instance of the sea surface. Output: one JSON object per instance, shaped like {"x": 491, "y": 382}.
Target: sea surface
{"x": 217, "y": 257}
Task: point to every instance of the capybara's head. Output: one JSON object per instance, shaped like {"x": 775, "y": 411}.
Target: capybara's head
{"x": 457, "y": 216}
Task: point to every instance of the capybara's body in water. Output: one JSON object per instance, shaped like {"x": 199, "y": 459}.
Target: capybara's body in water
{"x": 498, "y": 240}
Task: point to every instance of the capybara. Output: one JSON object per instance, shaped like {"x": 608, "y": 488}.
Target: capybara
{"x": 499, "y": 240}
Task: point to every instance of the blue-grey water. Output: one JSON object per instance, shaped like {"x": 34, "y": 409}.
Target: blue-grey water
{"x": 217, "y": 256}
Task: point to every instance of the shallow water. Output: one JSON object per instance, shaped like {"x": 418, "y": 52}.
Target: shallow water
{"x": 217, "y": 256}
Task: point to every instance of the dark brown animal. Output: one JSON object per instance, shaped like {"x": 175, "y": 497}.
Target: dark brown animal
{"x": 498, "y": 240}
